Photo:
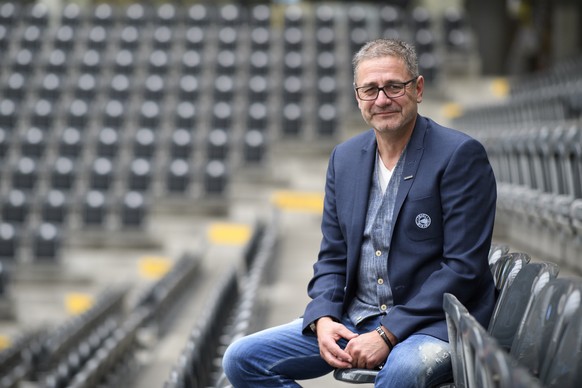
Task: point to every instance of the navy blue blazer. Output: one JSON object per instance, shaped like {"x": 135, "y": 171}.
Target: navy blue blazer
{"x": 448, "y": 184}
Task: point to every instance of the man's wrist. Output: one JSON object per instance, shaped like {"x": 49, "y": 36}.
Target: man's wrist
{"x": 313, "y": 325}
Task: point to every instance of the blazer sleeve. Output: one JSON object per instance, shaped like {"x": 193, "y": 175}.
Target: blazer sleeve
{"x": 327, "y": 286}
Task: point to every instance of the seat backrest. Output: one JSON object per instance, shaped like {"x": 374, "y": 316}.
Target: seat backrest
{"x": 544, "y": 317}
{"x": 453, "y": 311}
{"x": 563, "y": 366}
{"x": 507, "y": 267}
{"x": 495, "y": 368}
{"x": 514, "y": 298}
{"x": 496, "y": 251}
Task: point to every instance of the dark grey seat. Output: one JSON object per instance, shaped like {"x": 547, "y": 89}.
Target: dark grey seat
{"x": 514, "y": 298}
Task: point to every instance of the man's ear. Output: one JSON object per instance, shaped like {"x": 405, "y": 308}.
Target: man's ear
{"x": 419, "y": 88}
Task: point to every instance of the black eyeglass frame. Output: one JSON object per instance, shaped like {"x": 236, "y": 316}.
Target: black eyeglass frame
{"x": 403, "y": 84}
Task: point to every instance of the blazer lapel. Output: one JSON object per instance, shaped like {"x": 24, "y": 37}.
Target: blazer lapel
{"x": 414, "y": 152}
{"x": 364, "y": 168}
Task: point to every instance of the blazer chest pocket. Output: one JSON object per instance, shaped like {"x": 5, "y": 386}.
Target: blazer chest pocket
{"x": 422, "y": 218}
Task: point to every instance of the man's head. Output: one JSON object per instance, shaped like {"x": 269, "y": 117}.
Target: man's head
{"x": 381, "y": 48}
{"x": 387, "y": 85}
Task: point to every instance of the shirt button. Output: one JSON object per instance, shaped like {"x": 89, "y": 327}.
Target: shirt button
{"x": 378, "y": 253}
{"x": 383, "y": 307}
{"x": 380, "y": 281}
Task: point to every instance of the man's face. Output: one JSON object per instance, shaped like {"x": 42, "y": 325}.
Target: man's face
{"x": 389, "y": 114}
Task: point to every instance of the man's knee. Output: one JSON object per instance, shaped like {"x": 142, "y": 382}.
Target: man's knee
{"x": 416, "y": 365}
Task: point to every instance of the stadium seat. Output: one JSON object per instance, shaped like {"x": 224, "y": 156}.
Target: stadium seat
{"x": 103, "y": 15}
{"x": 178, "y": 176}
{"x": 563, "y": 369}
{"x": 181, "y": 144}
{"x": 5, "y": 143}
{"x": 159, "y": 62}
{"x": 95, "y": 208}
{"x": 532, "y": 344}
{"x": 154, "y": 88}
{"x": 101, "y": 174}
{"x": 514, "y": 298}
{"x": 191, "y": 63}
{"x": 162, "y": 37}
{"x": 218, "y": 144}
{"x": 71, "y": 15}
{"x": 47, "y": 240}
{"x": 188, "y": 88}
{"x": 150, "y": 114}
{"x": 9, "y": 241}
{"x": 260, "y": 15}
{"x": 215, "y": 178}
{"x": 195, "y": 37}
{"x": 254, "y": 146}
{"x": 55, "y": 207}
{"x": 98, "y": 38}
{"x": 326, "y": 64}
{"x": 33, "y": 143}
{"x": 139, "y": 175}
{"x": 133, "y": 209}
{"x": 453, "y": 311}
{"x": 63, "y": 173}
{"x": 16, "y": 87}
{"x": 144, "y": 143}
{"x": 123, "y": 62}
{"x": 16, "y": 206}
{"x": 327, "y": 120}
{"x": 507, "y": 267}
{"x": 86, "y": 87}
{"x": 42, "y": 114}
{"x": 10, "y": 12}
{"x": 91, "y": 62}
{"x": 129, "y": 38}
{"x": 23, "y": 61}
{"x": 487, "y": 364}
{"x": 224, "y": 88}
{"x": 292, "y": 119}
{"x": 292, "y": 89}
{"x": 496, "y": 251}
{"x": 51, "y": 86}
{"x": 257, "y": 116}
{"x": 259, "y": 63}
{"x": 9, "y": 114}
{"x": 120, "y": 87}
{"x": 25, "y": 173}
{"x": 222, "y": 113}
{"x": 108, "y": 142}
{"x": 78, "y": 114}
{"x": 258, "y": 89}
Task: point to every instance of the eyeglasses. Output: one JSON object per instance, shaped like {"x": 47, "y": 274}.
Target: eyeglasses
{"x": 392, "y": 90}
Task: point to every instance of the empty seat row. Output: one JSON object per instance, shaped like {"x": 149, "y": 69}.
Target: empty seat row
{"x": 233, "y": 311}
{"x": 533, "y": 142}
{"x": 544, "y": 347}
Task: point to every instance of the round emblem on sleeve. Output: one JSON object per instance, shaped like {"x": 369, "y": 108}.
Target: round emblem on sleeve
{"x": 423, "y": 220}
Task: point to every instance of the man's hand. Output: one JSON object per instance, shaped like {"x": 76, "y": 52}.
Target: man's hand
{"x": 368, "y": 350}
{"x": 328, "y": 333}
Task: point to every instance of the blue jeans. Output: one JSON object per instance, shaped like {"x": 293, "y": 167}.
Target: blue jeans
{"x": 278, "y": 356}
